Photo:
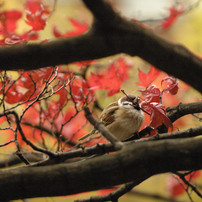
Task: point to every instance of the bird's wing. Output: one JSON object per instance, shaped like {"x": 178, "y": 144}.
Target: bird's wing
{"x": 107, "y": 116}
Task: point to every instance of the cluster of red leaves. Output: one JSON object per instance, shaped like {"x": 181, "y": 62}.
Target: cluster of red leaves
{"x": 8, "y": 25}
{"x": 152, "y": 104}
{"x": 72, "y": 129}
{"x": 36, "y": 18}
{"x": 26, "y": 87}
{"x": 111, "y": 79}
{"x": 153, "y": 97}
{"x": 36, "y": 14}
{"x": 30, "y": 84}
{"x": 173, "y": 15}
{"x": 176, "y": 186}
{"x": 81, "y": 92}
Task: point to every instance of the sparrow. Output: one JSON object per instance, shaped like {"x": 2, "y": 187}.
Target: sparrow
{"x": 122, "y": 118}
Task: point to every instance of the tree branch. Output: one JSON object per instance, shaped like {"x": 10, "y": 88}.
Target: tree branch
{"x": 113, "y": 196}
{"x": 134, "y": 162}
{"x": 107, "y": 134}
{"x": 153, "y": 196}
{"x": 109, "y": 35}
{"x": 180, "y": 110}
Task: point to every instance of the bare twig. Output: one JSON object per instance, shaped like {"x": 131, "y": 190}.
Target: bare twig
{"x": 153, "y": 196}
{"x": 50, "y": 154}
{"x": 7, "y": 143}
{"x": 189, "y": 184}
{"x": 113, "y": 196}
{"x": 14, "y": 159}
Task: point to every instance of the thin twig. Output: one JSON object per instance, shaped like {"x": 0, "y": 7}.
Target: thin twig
{"x": 50, "y": 154}
{"x": 189, "y": 184}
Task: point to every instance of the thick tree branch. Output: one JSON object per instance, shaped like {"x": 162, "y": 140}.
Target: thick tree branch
{"x": 135, "y": 162}
{"x": 109, "y": 35}
{"x": 106, "y": 10}
{"x": 180, "y": 110}
{"x": 101, "y": 149}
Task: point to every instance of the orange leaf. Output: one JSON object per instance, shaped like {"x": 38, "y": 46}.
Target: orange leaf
{"x": 112, "y": 79}
{"x": 146, "y": 79}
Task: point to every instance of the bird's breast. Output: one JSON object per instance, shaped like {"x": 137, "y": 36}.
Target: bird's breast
{"x": 127, "y": 122}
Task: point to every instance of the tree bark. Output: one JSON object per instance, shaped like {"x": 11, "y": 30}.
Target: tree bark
{"x": 134, "y": 162}
{"x": 110, "y": 34}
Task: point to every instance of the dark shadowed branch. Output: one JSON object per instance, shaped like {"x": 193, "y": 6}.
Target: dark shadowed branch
{"x": 109, "y": 35}
{"x": 134, "y": 162}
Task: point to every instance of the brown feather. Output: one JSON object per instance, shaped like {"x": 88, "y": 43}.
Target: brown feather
{"x": 107, "y": 116}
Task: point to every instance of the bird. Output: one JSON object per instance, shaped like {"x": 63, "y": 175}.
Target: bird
{"x": 122, "y": 118}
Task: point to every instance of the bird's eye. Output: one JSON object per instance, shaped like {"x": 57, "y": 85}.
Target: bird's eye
{"x": 125, "y": 103}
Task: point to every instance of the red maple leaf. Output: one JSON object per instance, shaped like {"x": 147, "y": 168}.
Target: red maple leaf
{"x": 112, "y": 79}
{"x": 31, "y": 82}
{"x": 81, "y": 92}
{"x": 9, "y": 20}
{"x": 147, "y": 79}
{"x": 36, "y": 17}
{"x": 79, "y": 28}
{"x": 173, "y": 15}
{"x": 152, "y": 94}
{"x": 34, "y": 5}
{"x": 9, "y": 23}
{"x": 158, "y": 116}
{"x": 14, "y": 94}
{"x": 172, "y": 85}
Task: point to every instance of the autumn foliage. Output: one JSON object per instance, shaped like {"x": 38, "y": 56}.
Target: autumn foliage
{"x": 50, "y": 101}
